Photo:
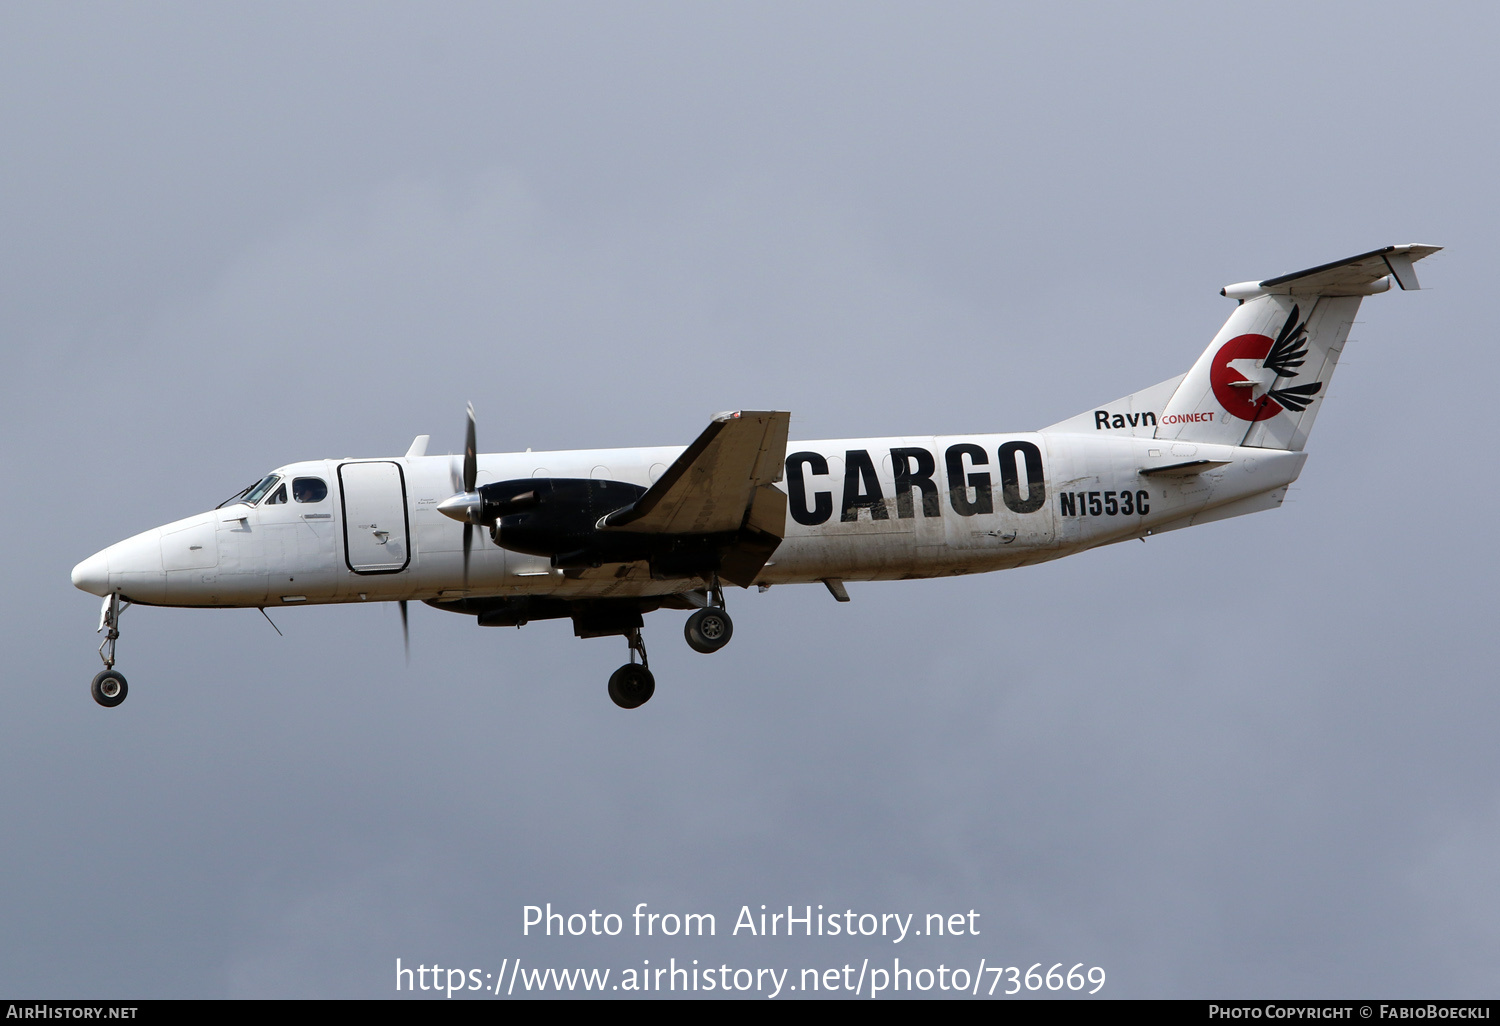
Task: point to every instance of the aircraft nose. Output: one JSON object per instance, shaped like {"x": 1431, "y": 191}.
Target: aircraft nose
{"x": 92, "y": 575}
{"x": 132, "y": 567}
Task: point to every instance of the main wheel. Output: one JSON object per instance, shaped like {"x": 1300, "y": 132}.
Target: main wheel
{"x": 708, "y": 630}
{"x": 632, "y": 685}
{"x": 109, "y": 688}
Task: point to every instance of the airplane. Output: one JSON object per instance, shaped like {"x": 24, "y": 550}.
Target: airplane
{"x": 603, "y": 536}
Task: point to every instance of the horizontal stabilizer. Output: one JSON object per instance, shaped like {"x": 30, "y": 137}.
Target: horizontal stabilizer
{"x": 1359, "y": 275}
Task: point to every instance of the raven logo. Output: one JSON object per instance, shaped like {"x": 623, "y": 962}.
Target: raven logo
{"x": 1247, "y": 366}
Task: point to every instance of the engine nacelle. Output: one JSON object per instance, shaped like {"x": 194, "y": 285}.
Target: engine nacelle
{"x": 557, "y": 517}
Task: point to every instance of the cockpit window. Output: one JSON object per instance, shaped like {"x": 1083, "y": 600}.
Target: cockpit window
{"x": 253, "y": 494}
{"x": 309, "y": 489}
{"x": 277, "y": 497}
{"x": 258, "y": 492}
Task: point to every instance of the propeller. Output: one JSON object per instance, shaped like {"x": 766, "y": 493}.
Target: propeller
{"x": 467, "y": 504}
{"x": 471, "y": 474}
{"x": 405, "y": 631}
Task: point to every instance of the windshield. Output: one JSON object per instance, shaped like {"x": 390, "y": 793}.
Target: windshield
{"x": 251, "y": 495}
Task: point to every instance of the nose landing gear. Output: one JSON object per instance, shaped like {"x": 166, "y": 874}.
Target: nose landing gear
{"x": 109, "y": 688}
{"x": 633, "y": 684}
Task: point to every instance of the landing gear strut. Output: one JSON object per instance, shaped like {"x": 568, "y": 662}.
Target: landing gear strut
{"x": 709, "y": 629}
{"x": 633, "y": 684}
{"x": 109, "y": 688}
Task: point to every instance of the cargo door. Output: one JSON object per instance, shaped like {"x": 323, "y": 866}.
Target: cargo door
{"x": 375, "y": 525}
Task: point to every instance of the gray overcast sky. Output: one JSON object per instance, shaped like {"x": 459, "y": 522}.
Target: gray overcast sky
{"x": 1253, "y": 759}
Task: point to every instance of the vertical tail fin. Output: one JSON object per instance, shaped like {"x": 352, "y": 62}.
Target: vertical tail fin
{"x": 1262, "y": 380}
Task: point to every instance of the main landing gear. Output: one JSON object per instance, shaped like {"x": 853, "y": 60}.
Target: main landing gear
{"x": 109, "y": 688}
{"x": 707, "y": 630}
{"x": 633, "y": 684}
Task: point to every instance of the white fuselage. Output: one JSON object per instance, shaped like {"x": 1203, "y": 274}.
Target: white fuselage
{"x": 859, "y": 510}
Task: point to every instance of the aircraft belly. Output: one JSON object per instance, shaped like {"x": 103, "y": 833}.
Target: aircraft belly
{"x": 607, "y": 588}
{"x": 150, "y": 586}
{"x": 980, "y": 545}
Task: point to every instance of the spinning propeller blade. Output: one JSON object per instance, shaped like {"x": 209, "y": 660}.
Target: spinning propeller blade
{"x": 405, "y": 631}
{"x": 471, "y": 461}
{"x": 467, "y": 505}
{"x": 471, "y": 474}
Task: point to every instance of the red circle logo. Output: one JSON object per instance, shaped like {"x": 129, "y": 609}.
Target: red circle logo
{"x": 1236, "y": 392}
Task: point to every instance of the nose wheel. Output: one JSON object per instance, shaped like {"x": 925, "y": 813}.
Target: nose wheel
{"x": 109, "y": 688}
{"x": 632, "y": 685}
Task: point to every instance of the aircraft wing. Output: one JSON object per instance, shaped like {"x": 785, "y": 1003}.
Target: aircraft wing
{"x": 719, "y": 484}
